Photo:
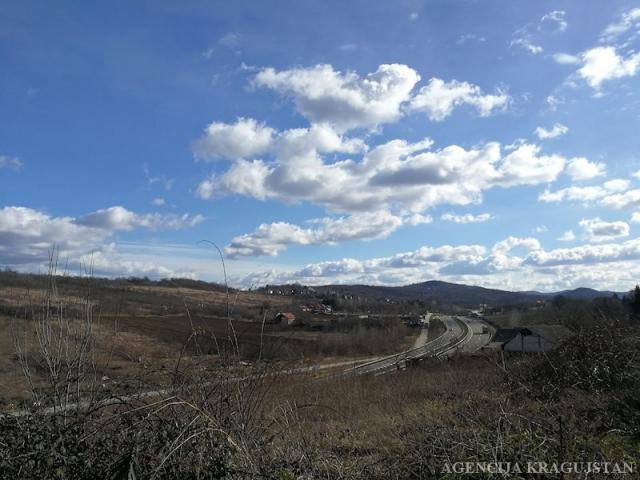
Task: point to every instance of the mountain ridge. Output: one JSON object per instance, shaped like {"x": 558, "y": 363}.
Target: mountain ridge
{"x": 455, "y": 293}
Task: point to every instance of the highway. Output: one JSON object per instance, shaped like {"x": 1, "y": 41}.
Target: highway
{"x": 462, "y": 334}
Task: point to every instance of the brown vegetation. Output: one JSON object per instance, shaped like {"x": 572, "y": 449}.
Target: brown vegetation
{"x": 210, "y": 414}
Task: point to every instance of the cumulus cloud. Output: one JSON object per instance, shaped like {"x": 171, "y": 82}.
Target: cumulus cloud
{"x": 119, "y": 218}
{"x": 270, "y": 239}
{"x": 10, "y": 162}
{"x": 597, "y": 230}
{"x": 466, "y": 218}
{"x": 430, "y": 257}
{"x": 344, "y": 100}
{"x": 635, "y": 217}
{"x": 513, "y": 263}
{"x": 567, "y": 236}
{"x": 586, "y": 194}
{"x": 557, "y": 130}
{"x": 244, "y": 138}
{"x": 109, "y": 263}
{"x": 247, "y": 137}
{"x": 27, "y": 235}
{"x": 601, "y": 64}
{"x": 587, "y": 254}
{"x": 438, "y": 99}
{"x": 582, "y": 169}
{"x": 525, "y": 166}
{"x": 617, "y": 201}
{"x": 396, "y": 175}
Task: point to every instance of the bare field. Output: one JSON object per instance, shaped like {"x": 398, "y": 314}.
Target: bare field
{"x": 141, "y": 335}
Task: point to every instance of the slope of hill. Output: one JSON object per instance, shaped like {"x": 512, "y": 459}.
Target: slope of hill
{"x": 581, "y": 293}
{"x": 455, "y": 294}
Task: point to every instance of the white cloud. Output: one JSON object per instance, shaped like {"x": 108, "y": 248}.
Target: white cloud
{"x": 524, "y": 166}
{"x": 582, "y": 169}
{"x": 270, "y": 239}
{"x": 244, "y": 138}
{"x": 422, "y": 258}
{"x": 617, "y": 185}
{"x": 158, "y": 202}
{"x": 243, "y": 178}
{"x": 108, "y": 262}
{"x": 587, "y": 254}
{"x": 567, "y": 236}
{"x": 27, "y": 236}
{"x": 413, "y": 16}
{"x": 603, "y": 63}
{"x": 526, "y": 43}
{"x": 10, "y": 162}
{"x": 119, "y": 218}
{"x": 417, "y": 219}
{"x": 466, "y": 218}
{"x": 509, "y": 243}
{"x": 635, "y": 217}
{"x": 438, "y": 99}
{"x": 501, "y": 267}
{"x": 597, "y": 230}
{"x": 626, "y": 21}
{"x": 554, "y": 21}
{"x": 617, "y": 201}
{"x": 586, "y": 194}
{"x": 553, "y": 102}
{"x": 230, "y": 39}
{"x": 636, "y": 174}
{"x": 526, "y": 37}
{"x": 396, "y": 175}
{"x": 557, "y": 130}
{"x": 565, "y": 59}
{"x": 344, "y": 100}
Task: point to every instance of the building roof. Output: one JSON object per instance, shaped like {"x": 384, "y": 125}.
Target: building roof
{"x": 504, "y": 335}
{"x": 552, "y": 333}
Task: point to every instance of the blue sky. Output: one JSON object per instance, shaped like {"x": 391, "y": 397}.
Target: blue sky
{"x": 492, "y": 143}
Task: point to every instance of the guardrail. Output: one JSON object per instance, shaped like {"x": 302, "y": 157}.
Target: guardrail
{"x": 435, "y": 348}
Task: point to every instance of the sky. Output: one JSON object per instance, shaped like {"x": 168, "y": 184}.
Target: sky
{"x": 492, "y": 143}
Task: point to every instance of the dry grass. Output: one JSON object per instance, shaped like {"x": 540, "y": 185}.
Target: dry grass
{"x": 221, "y": 418}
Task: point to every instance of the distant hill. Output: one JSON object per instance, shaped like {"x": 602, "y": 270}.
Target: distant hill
{"x": 581, "y": 293}
{"x": 454, "y": 294}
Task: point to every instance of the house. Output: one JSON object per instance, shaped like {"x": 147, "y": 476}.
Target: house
{"x": 536, "y": 338}
{"x": 285, "y": 317}
{"x": 316, "y": 308}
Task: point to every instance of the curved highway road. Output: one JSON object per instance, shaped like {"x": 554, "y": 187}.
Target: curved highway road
{"x": 462, "y": 334}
